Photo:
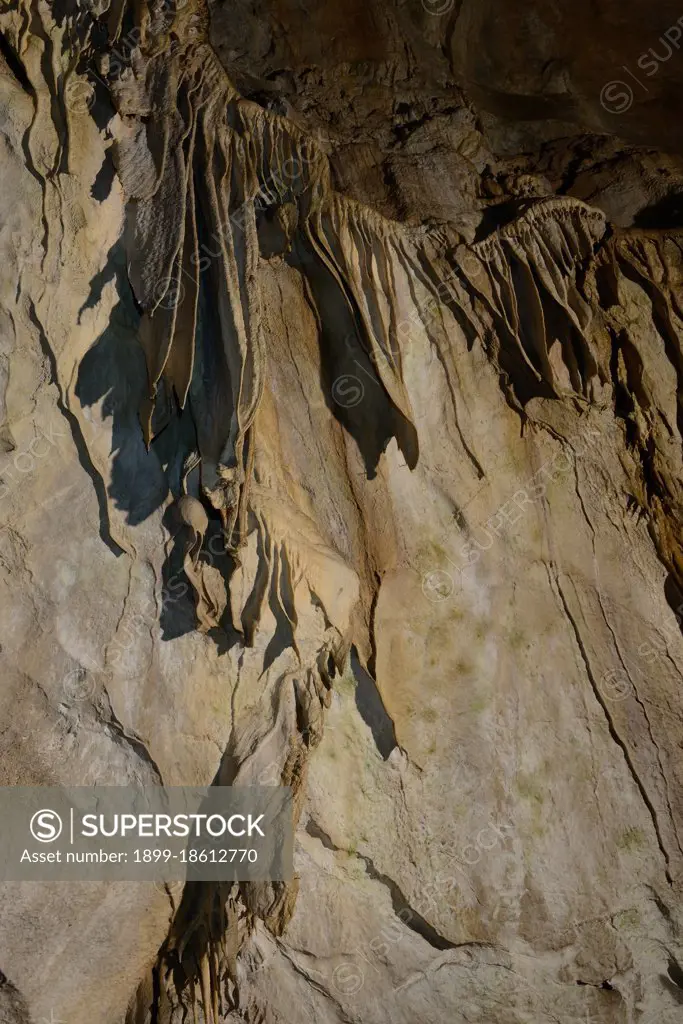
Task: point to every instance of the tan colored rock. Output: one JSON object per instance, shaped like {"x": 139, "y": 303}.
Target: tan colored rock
{"x": 446, "y": 458}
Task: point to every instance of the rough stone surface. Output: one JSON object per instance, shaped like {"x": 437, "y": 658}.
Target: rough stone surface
{"x": 488, "y": 786}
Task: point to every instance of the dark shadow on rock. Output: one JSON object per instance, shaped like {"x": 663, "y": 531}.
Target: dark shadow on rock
{"x": 674, "y": 597}
{"x": 371, "y": 708}
{"x": 101, "y": 109}
{"x": 13, "y": 1006}
{"x": 178, "y": 615}
{"x": 283, "y": 610}
{"x": 675, "y": 972}
{"x": 113, "y": 372}
{"x": 104, "y": 179}
{"x": 178, "y": 607}
{"x": 13, "y": 62}
{"x": 498, "y": 215}
{"x": 666, "y": 213}
{"x": 78, "y": 439}
{"x": 353, "y": 392}
{"x": 674, "y": 990}
{"x": 661, "y": 317}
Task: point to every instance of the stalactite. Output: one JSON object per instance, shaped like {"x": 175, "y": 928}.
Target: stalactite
{"x": 652, "y": 261}
{"x": 196, "y": 174}
{"x": 199, "y": 165}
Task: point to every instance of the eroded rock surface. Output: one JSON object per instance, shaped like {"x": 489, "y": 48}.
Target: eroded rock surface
{"x": 340, "y": 428}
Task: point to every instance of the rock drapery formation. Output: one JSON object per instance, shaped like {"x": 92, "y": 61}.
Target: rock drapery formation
{"x": 380, "y": 507}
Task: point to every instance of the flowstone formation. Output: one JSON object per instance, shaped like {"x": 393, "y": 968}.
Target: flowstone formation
{"x": 387, "y": 511}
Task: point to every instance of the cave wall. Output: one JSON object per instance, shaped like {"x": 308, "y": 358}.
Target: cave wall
{"x": 488, "y": 789}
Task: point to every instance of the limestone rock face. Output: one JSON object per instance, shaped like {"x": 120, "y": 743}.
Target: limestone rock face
{"x": 340, "y": 448}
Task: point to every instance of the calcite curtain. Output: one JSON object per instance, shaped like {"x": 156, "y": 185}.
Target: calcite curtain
{"x": 307, "y": 435}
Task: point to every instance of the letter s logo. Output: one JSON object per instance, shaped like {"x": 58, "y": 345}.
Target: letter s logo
{"x": 46, "y": 826}
{"x": 645, "y": 61}
{"x": 616, "y": 97}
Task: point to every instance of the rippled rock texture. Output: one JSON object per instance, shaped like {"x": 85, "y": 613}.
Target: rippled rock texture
{"x": 340, "y": 419}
